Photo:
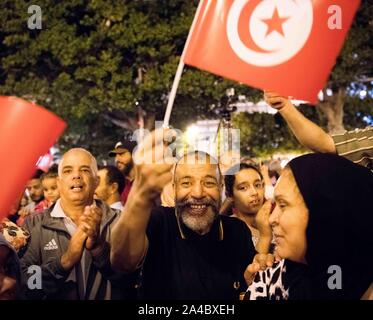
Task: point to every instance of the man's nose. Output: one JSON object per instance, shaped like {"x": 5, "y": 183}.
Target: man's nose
{"x": 197, "y": 190}
{"x": 77, "y": 174}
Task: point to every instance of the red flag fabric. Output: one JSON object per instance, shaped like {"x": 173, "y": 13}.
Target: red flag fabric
{"x": 287, "y": 46}
{"x": 27, "y": 131}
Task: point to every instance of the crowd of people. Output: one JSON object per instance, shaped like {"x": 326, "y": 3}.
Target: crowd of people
{"x": 185, "y": 229}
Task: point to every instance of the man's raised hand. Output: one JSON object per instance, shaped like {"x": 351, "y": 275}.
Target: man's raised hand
{"x": 153, "y": 163}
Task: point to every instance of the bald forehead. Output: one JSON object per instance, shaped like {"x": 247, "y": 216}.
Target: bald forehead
{"x": 197, "y": 158}
{"x": 77, "y": 153}
{"x": 197, "y": 164}
{"x": 78, "y": 156}
{"x": 197, "y": 170}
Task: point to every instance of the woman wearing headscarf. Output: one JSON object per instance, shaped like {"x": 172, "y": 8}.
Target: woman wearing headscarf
{"x": 322, "y": 222}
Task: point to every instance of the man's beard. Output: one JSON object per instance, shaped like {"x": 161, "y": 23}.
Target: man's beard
{"x": 199, "y": 224}
{"x": 127, "y": 169}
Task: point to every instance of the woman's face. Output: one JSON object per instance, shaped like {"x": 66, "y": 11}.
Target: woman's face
{"x": 289, "y": 219}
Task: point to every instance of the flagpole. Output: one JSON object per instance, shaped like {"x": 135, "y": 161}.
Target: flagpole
{"x": 179, "y": 72}
{"x": 171, "y": 98}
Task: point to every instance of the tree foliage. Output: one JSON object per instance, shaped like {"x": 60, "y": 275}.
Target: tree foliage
{"x": 342, "y": 107}
{"x": 95, "y": 63}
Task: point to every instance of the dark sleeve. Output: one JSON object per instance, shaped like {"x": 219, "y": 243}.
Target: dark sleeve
{"x": 101, "y": 259}
{"x": 101, "y": 262}
{"x": 247, "y": 250}
{"x": 53, "y": 275}
{"x": 250, "y": 248}
{"x": 12, "y": 266}
{"x": 32, "y": 220}
{"x": 155, "y": 223}
{"x": 14, "y": 217}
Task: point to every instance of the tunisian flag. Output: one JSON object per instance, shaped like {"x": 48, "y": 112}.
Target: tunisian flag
{"x": 288, "y": 46}
{"x": 27, "y": 131}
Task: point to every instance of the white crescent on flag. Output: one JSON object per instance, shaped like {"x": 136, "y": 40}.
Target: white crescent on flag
{"x": 279, "y": 29}
{"x": 285, "y": 46}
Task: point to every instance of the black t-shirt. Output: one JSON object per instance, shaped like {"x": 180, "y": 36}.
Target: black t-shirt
{"x": 196, "y": 267}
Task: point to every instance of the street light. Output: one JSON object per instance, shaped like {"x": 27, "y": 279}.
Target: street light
{"x": 191, "y": 133}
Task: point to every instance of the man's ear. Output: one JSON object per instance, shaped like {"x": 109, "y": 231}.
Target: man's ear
{"x": 221, "y": 182}
{"x": 174, "y": 189}
{"x": 114, "y": 188}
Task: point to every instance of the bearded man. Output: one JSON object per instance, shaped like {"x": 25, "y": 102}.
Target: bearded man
{"x": 189, "y": 251}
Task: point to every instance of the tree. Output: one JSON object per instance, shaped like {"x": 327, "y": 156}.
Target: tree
{"x": 96, "y": 63}
{"x": 351, "y": 73}
{"x": 262, "y": 134}
{"x": 100, "y": 64}
{"x": 343, "y": 106}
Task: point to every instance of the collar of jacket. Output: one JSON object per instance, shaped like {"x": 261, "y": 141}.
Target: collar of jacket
{"x": 58, "y": 224}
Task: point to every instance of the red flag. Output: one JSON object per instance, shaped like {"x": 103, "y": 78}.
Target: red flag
{"x": 45, "y": 161}
{"x": 288, "y": 46}
{"x": 27, "y": 131}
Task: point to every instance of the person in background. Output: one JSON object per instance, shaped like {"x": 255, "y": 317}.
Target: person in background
{"x": 10, "y": 272}
{"x": 35, "y": 191}
{"x": 110, "y": 187}
{"x": 50, "y": 189}
{"x": 15, "y": 210}
{"x": 244, "y": 185}
{"x": 124, "y": 162}
{"x": 356, "y": 145}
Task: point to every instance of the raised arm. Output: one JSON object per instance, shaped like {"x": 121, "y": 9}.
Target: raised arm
{"x": 129, "y": 242}
{"x": 308, "y": 133}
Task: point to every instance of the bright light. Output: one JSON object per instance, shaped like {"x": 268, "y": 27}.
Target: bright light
{"x": 192, "y": 133}
{"x": 363, "y": 94}
{"x": 329, "y": 92}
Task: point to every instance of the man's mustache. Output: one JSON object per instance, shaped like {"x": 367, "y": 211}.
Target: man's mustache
{"x": 189, "y": 202}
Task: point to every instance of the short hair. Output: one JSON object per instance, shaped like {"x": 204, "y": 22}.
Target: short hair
{"x": 200, "y": 155}
{"x": 114, "y": 175}
{"x": 37, "y": 174}
{"x": 48, "y": 175}
{"x": 93, "y": 160}
{"x": 230, "y": 176}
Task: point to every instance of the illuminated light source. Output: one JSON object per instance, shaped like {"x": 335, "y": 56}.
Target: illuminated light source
{"x": 192, "y": 133}
{"x": 363, "y": 93}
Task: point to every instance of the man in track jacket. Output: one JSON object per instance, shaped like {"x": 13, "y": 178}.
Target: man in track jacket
{"x": 70, "y": 242}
